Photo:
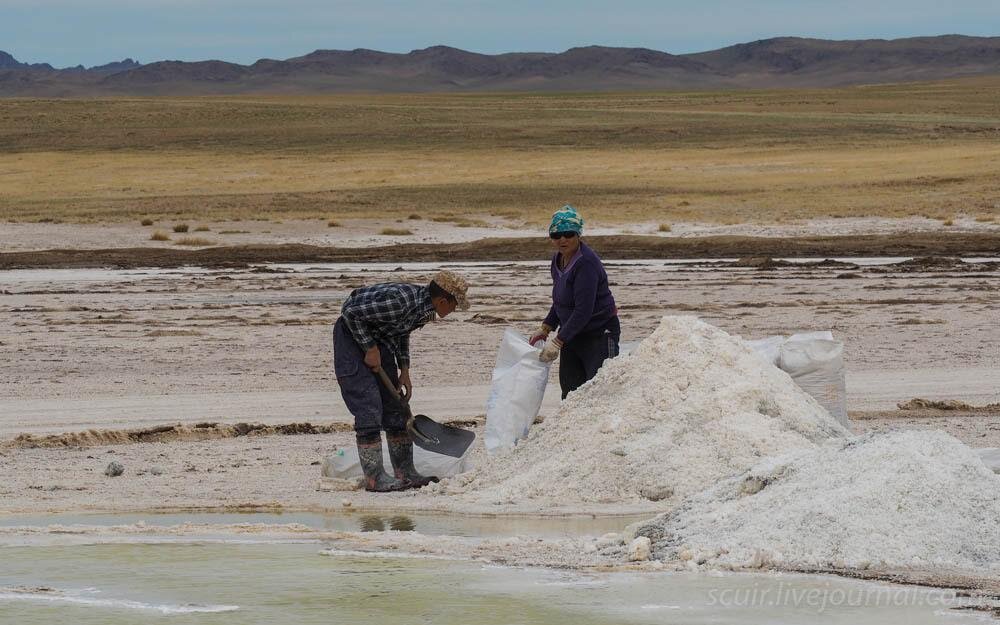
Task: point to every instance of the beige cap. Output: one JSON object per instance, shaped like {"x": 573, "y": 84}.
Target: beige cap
{"x": 455, "y": 285}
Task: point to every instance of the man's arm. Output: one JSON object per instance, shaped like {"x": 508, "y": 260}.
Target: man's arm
{"x": 364, "y": 310}
{"x": 401, "y": 347}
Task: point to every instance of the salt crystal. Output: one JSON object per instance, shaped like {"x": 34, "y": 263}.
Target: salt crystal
{"x": 638, "y": 549}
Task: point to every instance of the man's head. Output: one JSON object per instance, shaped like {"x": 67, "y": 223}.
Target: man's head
{"x": 448, "y": 292}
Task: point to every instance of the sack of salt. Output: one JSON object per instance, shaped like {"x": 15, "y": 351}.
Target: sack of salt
{"x": 344, "y": 463}
{"x": 519, "y": 381}
{"x": 768, "y": 348}
{"x": 990, "y": 457}
{"x": 815, "y": 361}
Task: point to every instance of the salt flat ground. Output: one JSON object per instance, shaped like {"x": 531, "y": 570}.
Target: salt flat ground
{"x": 143, "y": 346}
{"x": 111, "y": 350}
{"x": 153, "y": 341}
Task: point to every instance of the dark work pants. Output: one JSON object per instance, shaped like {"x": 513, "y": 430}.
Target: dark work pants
{"x": 580, "y": 358}
{"x": 374, "y": 409}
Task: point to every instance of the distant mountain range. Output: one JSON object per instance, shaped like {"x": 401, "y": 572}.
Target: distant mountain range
{"x": 9, "y": 62}
{"x": 780, "y": 62}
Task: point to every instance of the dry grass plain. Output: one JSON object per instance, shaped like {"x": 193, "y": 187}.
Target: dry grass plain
{"x": 724, "y": 157}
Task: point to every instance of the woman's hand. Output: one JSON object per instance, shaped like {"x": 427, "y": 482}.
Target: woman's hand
{"x": 551, "y": 350}
{"x": 541, "y": 335}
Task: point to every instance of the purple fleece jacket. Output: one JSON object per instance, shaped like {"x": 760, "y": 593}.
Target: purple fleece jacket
{"x": 581, "y": 300}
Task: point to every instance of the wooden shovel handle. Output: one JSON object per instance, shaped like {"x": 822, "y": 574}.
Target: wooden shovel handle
{"x": 405, "y": 405}
{"x": 389, "y": 386}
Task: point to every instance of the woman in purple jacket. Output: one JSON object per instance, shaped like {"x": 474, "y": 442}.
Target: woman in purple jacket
{"x": 583, "y": 309}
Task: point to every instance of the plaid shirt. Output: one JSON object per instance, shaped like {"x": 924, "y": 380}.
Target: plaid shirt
{"x": 387, "y": 313}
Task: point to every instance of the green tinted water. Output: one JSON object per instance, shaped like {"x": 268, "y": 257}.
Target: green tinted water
{"x": 251, "y": 580}
{"x": 250, "y": 584}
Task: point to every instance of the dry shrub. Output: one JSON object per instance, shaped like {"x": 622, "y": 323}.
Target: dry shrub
{"x": 202, "y": 229}
{"x": 333, "y": 223}
{"x": 159, "y": 333}
{"x": 160, "y": 235}
{"x": 948, "y": 222}
{"x": 194, "y": 242}
{"x": 147, "y": 222}
{"x": 460, "y": 222}
{"x": 181, "y": 228}
{"x": 414, "y": 216}
{"x": 664, "y": 228}
{"x": 916, "y": 321}
{"x": 468, "y": 223}
{"x": 395, "y": 232}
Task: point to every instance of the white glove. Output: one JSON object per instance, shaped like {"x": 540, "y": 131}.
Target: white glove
{"x": 541, "y": 335}
{"x": 551, "y": 350}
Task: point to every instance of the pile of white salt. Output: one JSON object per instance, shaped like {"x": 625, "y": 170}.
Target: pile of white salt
{"x": 753, "y": 472}
{"x": 691, "y": 405}
{"x": 899, "y": 500}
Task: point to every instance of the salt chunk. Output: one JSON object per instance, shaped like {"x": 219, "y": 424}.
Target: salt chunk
{"x": 639, "y": 549}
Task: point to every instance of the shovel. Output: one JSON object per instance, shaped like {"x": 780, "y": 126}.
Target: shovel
{"x": 427, "y": 433}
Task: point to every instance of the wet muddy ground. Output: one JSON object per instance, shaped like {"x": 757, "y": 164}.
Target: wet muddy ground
{"x": 528, "y": 246}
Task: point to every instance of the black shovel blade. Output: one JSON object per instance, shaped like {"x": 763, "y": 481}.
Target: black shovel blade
{"x": 441, "y": 439}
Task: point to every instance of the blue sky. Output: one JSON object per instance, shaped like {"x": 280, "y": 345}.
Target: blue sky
{"x": 92, "y": 32}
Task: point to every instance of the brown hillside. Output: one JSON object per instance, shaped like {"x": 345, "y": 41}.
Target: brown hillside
{"x": 780, "y": 62}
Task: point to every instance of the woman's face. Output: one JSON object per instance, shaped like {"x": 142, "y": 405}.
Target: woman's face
{"x": 567, "y": 245}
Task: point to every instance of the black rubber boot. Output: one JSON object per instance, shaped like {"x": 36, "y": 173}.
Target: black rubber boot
{"x": 376, "y": 479}
{"x": 401, "y": 454}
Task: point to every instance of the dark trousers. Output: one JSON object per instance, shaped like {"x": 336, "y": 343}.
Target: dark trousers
{"x": 374, "y": 409}
{"x": 580, "y": 358}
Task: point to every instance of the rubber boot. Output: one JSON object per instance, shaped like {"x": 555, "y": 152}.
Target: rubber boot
{"x": 401, "y": 454}
{"x": 376, "y": 479}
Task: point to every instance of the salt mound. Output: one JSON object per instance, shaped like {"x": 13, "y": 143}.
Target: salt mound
{"x": 689, "y": 406}
{"x": 899, "y": 500}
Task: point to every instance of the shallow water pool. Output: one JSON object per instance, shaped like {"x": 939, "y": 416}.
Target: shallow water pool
{"x": 267, "y": 581}
{"x": 354, "y": 521}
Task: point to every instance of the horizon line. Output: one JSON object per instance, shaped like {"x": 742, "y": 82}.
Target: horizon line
{"x": 220, "y": 60}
